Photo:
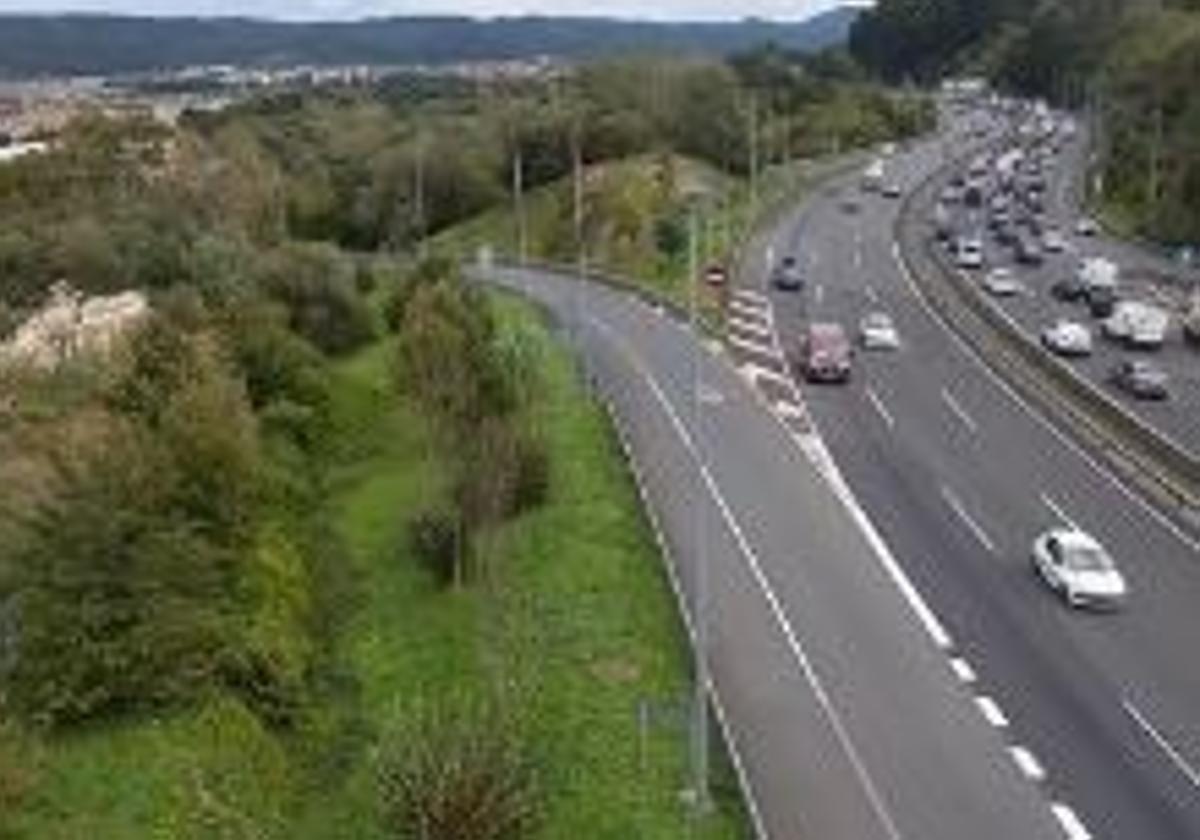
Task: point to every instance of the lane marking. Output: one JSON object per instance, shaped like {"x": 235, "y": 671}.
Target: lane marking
{"x": 818, "y": 293}
{"x": 789, "y": 409}
{"x": 877, "y": 403}
{"x": 1027, "y": 763}
{"x": 807, "y": 668}
{"x": 751, "y": 295}
{"x": 751, "y": 310}
{"x": 739, "y": 766}
{"x": 1070, "y": 822}
{"x": 1057, "y": 510}
{"x": 969, "y": 352}
{"x": 976, "y": 530}
{"x": 857, "y": 255}
{"x": 959, "y": 412}
{"x": 991, "y": 711}
{"x": 753, "y": 346}
{"x": 1181, "y": 764}
{"x": 750, "y": 326}
{"x": 755, "y": 372}
{"x": 963, "y": 670}
{"x": 871, "y": 296}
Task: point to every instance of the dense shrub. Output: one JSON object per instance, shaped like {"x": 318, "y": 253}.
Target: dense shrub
{"x": 456, "y": 777}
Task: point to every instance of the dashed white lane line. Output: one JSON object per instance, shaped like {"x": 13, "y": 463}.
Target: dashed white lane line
{"x": 969, "y": 352}
{"x": 871, "y": 295}
{"x": 1070, "y": 822}
{"x": 974, "y": 527}
{"x": 878, "y": 803}
{"x": 788, "y": 409}
{"x": 763, "y": 349}
{"x": 1058, "y": 511}
{"x": 879, "y": 407}
{"x": 963, "y": 670}
{"x": 818, "y": 293}
{"x": 991, "y": 711}
{"x": 1181, "y": 764}
{"x": 762, "y": 329}
{"x": 959, "y": 412}
{"x": 1027, "y": 763}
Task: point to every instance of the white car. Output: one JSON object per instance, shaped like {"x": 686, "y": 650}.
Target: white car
{"x": 1001, "y": 282}
{"x": 877, "y": 331}
{"x": 1053, "y": 241}
{"x": 1086, "y": 227}
{"x": 1068, "y": 338}
{"x": 969, "y": 254}
{"x": 1075, "y": 565}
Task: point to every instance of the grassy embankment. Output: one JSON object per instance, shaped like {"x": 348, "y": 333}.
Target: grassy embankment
{"x": 576, "y": 624}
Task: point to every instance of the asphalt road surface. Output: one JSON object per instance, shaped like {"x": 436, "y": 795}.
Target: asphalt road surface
{"x": 960, "y": 476}
{"x": 1145, "y": 277}
{"x": 844, "y": 714}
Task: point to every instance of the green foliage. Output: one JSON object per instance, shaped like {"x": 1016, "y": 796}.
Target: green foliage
{"x": 436, "y": 540}
{"x": 21, "y": 762}
{"x": 453, "y": 775}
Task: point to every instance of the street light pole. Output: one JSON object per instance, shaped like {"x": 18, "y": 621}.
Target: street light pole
{"x": 700, "y": 726}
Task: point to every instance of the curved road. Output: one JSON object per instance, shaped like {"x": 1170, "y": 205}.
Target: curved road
{"x": 960, "y": 476}
{"x": 843, "y": 713}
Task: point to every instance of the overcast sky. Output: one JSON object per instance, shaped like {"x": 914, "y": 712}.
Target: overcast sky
{"x": 353, "y": 9}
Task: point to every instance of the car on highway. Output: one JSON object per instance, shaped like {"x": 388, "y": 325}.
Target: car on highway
{"x": 1053, "y": 241}
{"x": 968, "y": 253}
{"x": 1101, "y": 301}
{"x": 1086, "y": 227}
{"x": 1069, "y": 289}
{"x": 1028, "y": 250}
{"x": 1191, "y": 322}
{"x": 825, "y": 353}
{"x": 1141, "y": 379}
{"x": 1001, "y": 282}
{"x": 891, "y": 190}
{"x": 1139, "y": 325}
{"x": 787, "y": 277}
{"x": 877, "y": 331}
{"x": 1075, "y": 565}
{"x": 1067, "y": 338}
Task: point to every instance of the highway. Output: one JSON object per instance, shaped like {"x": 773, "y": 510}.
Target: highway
{"x": 959, "y": 476}
{"x": 1142, "y": 279}
{"x": 843, "y": 712}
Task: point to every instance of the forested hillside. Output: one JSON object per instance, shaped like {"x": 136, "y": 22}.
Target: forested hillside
{"x": 1136, "y": 63}
{"x": 104, "y": 45}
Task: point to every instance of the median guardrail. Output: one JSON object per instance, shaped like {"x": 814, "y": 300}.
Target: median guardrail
{"x": 1140, "y": 451}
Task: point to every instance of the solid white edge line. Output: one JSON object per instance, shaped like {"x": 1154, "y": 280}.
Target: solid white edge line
{"x": 1027, "y": 763}
{"x": 877, "y": 403}
{"x": 1181, "y": 764}
{"x": 955, "y": 504}
{"x": 958, "y": 411}
{"x": 760, "y": 830}
{"x": 1036, "y": 415}
{"x": 813, "y": 679}
{"x": 963, "y": 670}
{"x": 991, "y": 711}
{"x": 1071, "y": 825}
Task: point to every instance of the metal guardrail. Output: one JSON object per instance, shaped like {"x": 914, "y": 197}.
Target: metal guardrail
{"x": 1133, "y": 446}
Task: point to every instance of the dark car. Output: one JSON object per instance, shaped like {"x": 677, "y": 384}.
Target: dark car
{"x": 787, "y": 277}
{"x": 1141, "y": 379}
{"x": 1101, "y": 301}
{"x": 825, "y": 353}
{"x": 1005, "y": 234}
{"x": 1029, "y": 250}
{"x": 1069, "y": 289}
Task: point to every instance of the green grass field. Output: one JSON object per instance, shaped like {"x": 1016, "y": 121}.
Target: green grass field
{"x": 573, "y": 629}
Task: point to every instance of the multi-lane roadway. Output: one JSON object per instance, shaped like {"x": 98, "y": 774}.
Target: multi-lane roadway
{"x": 960, "y": 476}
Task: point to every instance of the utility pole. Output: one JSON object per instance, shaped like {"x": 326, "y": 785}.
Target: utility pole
{"x": 699, "y": 722}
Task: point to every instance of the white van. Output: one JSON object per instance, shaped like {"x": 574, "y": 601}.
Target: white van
{"x": 1138, "y": 324}
{"x": 1098, "y": 273}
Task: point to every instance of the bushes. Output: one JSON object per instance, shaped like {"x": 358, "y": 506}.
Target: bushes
{"x": 456, "y": 776}
{"x": 20, "y": 762}
{"x": 435, "y": 538}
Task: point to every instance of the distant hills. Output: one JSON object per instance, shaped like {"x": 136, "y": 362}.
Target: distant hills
{"x": 85, "y": 44}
